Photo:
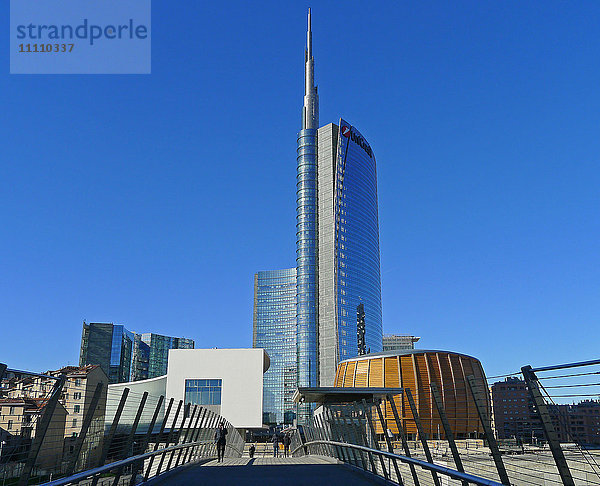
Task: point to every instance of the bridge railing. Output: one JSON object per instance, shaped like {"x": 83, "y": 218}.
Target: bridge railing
{"x": 69, "y": 425}
{"x": 458, "y": 429}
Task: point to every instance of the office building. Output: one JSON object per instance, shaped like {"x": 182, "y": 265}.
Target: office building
{"x": 274, "y": 330}
{"x": 337, "y": 246}
{"x": 399, "y": 341}
{"x": 124, "y": 355}
{"x": 110, "y": 346}
{"x": 153, "y": 353}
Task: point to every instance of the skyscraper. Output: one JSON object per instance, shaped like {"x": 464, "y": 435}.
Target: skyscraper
{"x": 337, "y": 240}
{"x": 307, "y": 226}
{"x": 337, "y": 254}
{"x": 274, "y": 330}
{"x": 110, "y": 346}
{"x": 124, "y": 355}
{"x": 156, "y": 347}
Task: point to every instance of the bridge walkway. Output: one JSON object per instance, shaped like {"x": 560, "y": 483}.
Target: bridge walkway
{"x": 267, "y": 471}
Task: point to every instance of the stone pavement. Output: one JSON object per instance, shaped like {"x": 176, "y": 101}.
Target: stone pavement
{"x": 267, "y": 471}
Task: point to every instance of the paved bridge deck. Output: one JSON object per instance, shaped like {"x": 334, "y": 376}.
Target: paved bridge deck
{"x": 267, "y": 471}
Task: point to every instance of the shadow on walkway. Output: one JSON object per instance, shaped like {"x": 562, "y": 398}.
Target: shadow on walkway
{"x": 279, "y": 474}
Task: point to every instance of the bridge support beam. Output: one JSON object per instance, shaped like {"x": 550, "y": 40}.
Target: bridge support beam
{"x": 549, "y": 430}
{"x": 487, "y": 429}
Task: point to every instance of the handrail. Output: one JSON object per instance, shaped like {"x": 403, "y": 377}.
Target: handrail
{"x": 409, "y": 460}
{"x": 124, "y": 462}
{"x": 31, "y": 373}
{"x": 567, "y": 365}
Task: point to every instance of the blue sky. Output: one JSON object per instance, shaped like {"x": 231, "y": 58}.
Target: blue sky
{"x": 150, "y": 201}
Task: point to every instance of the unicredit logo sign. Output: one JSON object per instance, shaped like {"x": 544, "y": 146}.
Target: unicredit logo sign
{"x": 357, "y": 139}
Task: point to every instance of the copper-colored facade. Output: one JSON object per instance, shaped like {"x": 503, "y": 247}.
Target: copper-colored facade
{"x": 416, "y": 370}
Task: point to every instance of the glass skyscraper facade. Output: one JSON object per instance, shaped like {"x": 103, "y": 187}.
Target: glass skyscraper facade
{"x": 348, "y": 246}
{"x": 274, "y": 329}
{"x": 337, "y": 241}
{"x": 356, "y": 242}
{"x": 158, "y": 351}
{"x": 110, "y": 346}
{"x": 337, "y": 246}
{"x": 124, "y": 355}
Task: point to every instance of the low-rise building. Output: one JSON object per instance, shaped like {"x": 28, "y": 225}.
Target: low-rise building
{"x": 392, "y": 342}
{"x": 75, "y": 400}
{"x": 19, "y": 422}
{"x": 515, "y": 416}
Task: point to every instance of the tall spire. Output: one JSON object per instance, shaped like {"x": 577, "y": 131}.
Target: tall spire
{"x": 310, "y": 112}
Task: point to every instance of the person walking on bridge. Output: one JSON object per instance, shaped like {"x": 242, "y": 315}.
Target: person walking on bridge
{"x": 287, "y": 440}
{"x": 220, "y": 438}
{"x": 275, "y": 444}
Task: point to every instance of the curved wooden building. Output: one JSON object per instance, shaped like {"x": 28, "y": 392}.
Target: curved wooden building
{"x": 416, "y": 370}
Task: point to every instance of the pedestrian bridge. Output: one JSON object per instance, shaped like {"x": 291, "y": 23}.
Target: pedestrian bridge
{"x": 355, "y": 436}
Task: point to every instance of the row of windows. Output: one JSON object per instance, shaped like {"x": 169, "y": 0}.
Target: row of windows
{"x": 203, "y": 392}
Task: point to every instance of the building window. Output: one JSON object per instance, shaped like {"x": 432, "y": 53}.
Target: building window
{"x": 11, "y": 411}
{"x": 10, "y": 424}
{"x": 77, "y": 381}
{"x": 74, "y": 422}
{"x": 203, "y": 392}
{"x": 77, "y": 396}
{"x": 76, "y": 409}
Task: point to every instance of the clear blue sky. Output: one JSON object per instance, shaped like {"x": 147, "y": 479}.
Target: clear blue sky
{"x": 150, "y": 201}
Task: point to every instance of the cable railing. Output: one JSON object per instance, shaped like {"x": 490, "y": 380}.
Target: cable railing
{"x": 444, "y": 471}
{"x": 538, "y": 427}
{"x": 526, "y": 435}
{"x": 67, "y": 423}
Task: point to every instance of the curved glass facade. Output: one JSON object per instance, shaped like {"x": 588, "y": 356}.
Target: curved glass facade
{"x": 275, "y": 332}
{"x": 356, "y": 242}
{"x": 306, "y": 257}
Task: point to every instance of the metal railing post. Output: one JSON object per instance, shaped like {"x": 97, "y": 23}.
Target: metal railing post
{"x": 549, "y": 430}
{"x": 354, "y": 440}
{"x": 363, "y": 435}
{"x": 487, "y": 429}
{"x": 129, "y": 441}
{"x": 41, "y": 429}
{"x": 208, "y": 448}
{"x": 111, "y": 432}
{"x": 187, "y": 433}
{"x": 162, "y": 457}
{"x": 437, "y": 399}
{"x": 186, "y": 413}
{"x": 311, "y": 433}
{"x": 87, "y": 421}
{"x": 348, "y": 453}
{"x": 389, "y": 443}
{"x": 413, "y": 471}
{"x": 321, "y": 432}
{"x": 421, "y": 432}
{"x": 345, "y": 432}
{"x": 374, "y": 435}
{"x": 197, "y": 427}
{"x": 159, "y": 437}
{"x": 329, "y": 426}
{"x": 146, "y": 440}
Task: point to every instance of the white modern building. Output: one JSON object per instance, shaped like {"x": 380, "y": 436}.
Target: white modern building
{"x": 227, "y": 381}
